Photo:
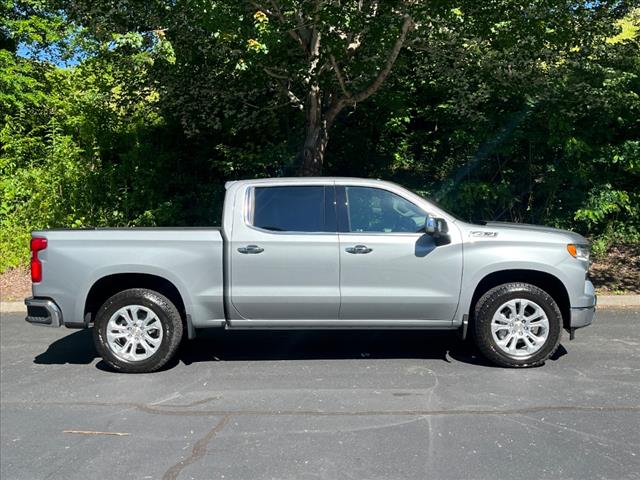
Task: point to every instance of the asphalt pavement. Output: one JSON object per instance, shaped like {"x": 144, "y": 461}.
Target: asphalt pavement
{"x": 321, "y": 405}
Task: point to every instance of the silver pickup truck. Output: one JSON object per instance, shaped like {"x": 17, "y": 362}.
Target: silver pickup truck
{"x": 314, "y": 253}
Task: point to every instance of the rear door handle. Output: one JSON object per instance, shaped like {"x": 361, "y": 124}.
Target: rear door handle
{"x": 358, "y": 249}
{"x": 251, "y": 249}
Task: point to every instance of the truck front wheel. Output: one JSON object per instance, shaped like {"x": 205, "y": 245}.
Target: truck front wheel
{"x": 517, "y": 325}
{"x": 137, "y": 331}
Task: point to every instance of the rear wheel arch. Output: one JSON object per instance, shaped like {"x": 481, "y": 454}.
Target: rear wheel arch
{"x": 543, "y": 280}
{"x": 109, "y": 285}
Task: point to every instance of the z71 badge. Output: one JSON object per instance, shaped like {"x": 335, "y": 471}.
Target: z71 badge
{"x": 482, "y": 234}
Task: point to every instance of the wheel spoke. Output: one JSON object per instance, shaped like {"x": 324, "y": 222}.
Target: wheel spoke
{"x": 151, "y": 323}
{"x": 127, "y": 346}
{"x": 124, "y": 313}
{"x": 537, "y": 313}
{"x": 536, "y": 338}
{"x": 514, "y": 344}
{"x": 538, "y": 320}
{"x": 155, "y": 341}
{"x": 134, "y": 351}
{"x": 134, "y": 313}
{"x": 531, "y": 347}
{"x": 498, "y": 327}
{"x": 505, "y": 341}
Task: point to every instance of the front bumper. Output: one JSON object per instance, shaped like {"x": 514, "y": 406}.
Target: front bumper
{"x": 583, "y": 315}
{"x": 43, "y": 311}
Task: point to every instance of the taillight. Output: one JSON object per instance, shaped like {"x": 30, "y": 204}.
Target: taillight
{"x": 37, "y": 244}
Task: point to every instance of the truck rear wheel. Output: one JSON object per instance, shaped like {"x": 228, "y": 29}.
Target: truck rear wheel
{"x": 137, "y": 331}
{"x": 517, "y": 325}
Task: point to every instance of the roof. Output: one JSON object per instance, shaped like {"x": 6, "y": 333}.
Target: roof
{"x": 286, "y": 180}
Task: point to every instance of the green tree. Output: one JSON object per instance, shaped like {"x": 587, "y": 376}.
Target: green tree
{"x": 136, "y": 113}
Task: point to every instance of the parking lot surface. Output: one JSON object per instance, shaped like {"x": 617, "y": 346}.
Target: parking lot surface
{"x": 330, "y": 405}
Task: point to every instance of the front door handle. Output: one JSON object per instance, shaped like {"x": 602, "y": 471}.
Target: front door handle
{"x": 358, "y": 249}
{"x": 251, "y": 249}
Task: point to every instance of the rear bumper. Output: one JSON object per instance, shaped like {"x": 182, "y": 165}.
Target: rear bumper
{"x": 43, "y": 311}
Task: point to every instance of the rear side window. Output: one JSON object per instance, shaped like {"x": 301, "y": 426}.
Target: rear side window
{"x": 294, "y": 209}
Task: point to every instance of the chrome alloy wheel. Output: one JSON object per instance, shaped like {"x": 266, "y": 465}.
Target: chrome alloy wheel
{"x": 134, "y": 333}
{"x": 520, "y": 327}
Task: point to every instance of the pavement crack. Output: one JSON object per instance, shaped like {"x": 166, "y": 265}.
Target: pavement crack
{"x": 564, "y": 429}
{"x": 198, "y": 451}
{"x": 192, "y": 404}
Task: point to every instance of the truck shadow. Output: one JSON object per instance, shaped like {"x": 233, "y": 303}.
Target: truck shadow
{"x": 224, "y": 345}
{"x": 332, "y": 345}
{"x": 325, "y": 345}
{"x": 76, "y": 348}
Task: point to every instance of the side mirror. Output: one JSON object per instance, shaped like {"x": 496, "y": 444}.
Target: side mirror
{"x": 435, "y": 226}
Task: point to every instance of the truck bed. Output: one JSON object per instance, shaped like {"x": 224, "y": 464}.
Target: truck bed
{"x": 190, "y": 258}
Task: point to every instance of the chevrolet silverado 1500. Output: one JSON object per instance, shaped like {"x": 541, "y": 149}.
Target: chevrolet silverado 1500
{"x": 314, "y": 253}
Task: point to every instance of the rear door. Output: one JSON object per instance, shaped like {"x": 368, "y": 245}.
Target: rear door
{"x": 284, "y": 259}
{"x": 390, "y": 268}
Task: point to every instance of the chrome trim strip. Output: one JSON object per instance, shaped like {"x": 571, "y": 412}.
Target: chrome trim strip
{"x": 386, "y": 234}
{"x": 247, "y": 216}
{"x": 248, "y": 212}
{"x": 341, "y": 324}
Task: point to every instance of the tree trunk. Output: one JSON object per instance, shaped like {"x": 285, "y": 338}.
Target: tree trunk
{"x": 311, "y": 156}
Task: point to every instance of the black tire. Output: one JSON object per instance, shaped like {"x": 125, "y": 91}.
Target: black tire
{"x": 167, "y": 315}
{"x": 491, "y": 301}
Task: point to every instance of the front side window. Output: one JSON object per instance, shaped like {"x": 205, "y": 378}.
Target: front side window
{"x": 292, "y": 209}
{"x": 376, "y": 210}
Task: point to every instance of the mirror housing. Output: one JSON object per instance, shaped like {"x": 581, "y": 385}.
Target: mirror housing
{"x": 435, "y": 226}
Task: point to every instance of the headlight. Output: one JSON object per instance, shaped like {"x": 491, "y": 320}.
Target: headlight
{"x": 581, "y": 252}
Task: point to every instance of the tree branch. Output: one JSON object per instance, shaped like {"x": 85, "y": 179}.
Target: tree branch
{"x": 295, "y": 101}
{"x": 314, "y": 55}
{"x": 293, "y": 33}
{"x": 407, "y": 25}
{"x": 273, "y": 74}
{"x": 339, "y": 76}
{"x": 284, "y": 83}
{"x": 335, "y": 108}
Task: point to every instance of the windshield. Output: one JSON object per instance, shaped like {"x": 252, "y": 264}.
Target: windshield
{"x": 433, "y": 202}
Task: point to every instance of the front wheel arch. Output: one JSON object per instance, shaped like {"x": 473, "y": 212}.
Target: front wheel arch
{"x": 543, "y": 280}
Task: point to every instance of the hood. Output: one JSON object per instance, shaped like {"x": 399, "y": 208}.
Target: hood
{"x": 524, "y": 230}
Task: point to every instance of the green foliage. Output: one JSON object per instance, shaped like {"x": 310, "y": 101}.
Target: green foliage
{"x": 138, "y": 113}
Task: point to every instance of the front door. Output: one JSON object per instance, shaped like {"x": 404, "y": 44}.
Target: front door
{"x": 389, "y": 268}
{"x": 284, "y": 254}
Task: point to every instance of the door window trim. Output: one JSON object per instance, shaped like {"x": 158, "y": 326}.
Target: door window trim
{"x": 343, "y": 212}
{"x": 331, "y": 219}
